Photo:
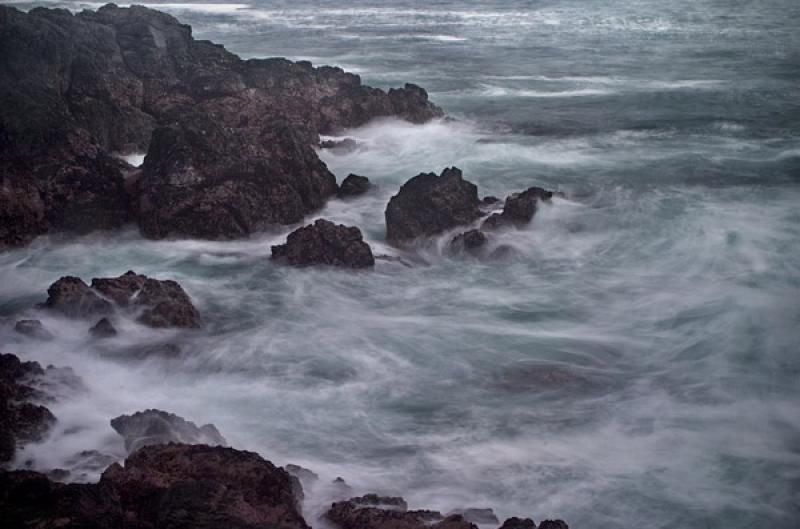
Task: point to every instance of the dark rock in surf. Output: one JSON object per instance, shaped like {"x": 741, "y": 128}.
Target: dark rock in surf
{"x": 33, "y": 329}
{"x": 303, "y": 474}
{"x": 429, "y": 204}
{"x": 478, "y": 516}
{"x": 201, "y": 487}
{"x": 164, "y": 302}
{"x": 229, "y": 139}
{"x": 553, "y": 524}
{"x": 22, "y": 419}
{"x": 489, "y": 200}
{"x": 153, "y": 427}
{"x": 340, "y": 146}
{"x": 325, "y": 243}
{"x": 73, "y": 298}
{"x": 518, "y": 209}
{"x": 354, "y": 185}
{"x": 103, "y": 329}
{"x": 471, "y": 241}
{"x": 518, "y": 523}
{"x": 379, "y": 512}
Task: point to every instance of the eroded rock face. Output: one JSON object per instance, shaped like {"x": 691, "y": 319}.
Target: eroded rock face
{"x": 203, "y": 487}
{"x": 518, "y": 209}
{"x": 200, "y": 487}
{"x": 165, "y": 303}
{"x": 429, "y": 204}
{"x": 22, "y": 419}
{"x": 154, "y": 427}
{"x": 230, "y": 138}
{"x": 354, "y": 185}
{"x": 325, "y": 243}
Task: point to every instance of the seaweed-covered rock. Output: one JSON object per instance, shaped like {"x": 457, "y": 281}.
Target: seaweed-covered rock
{"x": 429, "y": 204}
{"x": 325, "y": 243}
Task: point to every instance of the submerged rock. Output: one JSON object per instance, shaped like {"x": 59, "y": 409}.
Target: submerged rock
{"x": 22, "y": 419}
{"x": 429, "y": 204}
{"x": 153, "y": 427}
{"x": 354, "y": 185}
{"x": 343, "y": 146}
{"x": 165, "y": 303}
{"x": 201, "y": 487}
{"x": 103, "y": 329}
{"x": 478, "y": 516}
{"x": 33, "y": 329}
{"x": 228, "y": 141}
{"x": 519, "y": 208}
{"x": 325, "y": 243}
{"x": 470, "y": 241}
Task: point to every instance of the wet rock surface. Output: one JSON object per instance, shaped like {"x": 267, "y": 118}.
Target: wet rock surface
{"x": 429, "y": 204}
{"x": 73, "y": 298}
{"x": 156, "y": 427}
{"x": 354, "y": 185}
{"x": 471, "y": 241}
{"x": 22, "y": 418}
{"x": 325, "y": 243}
{"x": 224, "y": 136}
{"x": 518, "y": 209}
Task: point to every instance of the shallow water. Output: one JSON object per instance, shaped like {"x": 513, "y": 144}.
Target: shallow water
{"x": 631, "y": 361}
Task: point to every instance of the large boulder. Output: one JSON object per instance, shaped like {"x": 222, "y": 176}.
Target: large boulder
{"x": 203, "y": 487}
{"x": 177, "y": 486}
{"x": 22, "y": 418}
{"x": 519, "y": 208}
{"x": 325, "y": 243}
{"x": 153, "y": 427}
{"x": 164, "y": 302}
{"x": 429, "y": 204}
{"x": 229, "y": 142}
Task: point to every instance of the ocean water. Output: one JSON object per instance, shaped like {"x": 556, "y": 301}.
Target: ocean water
{"x": 632, "y": 359}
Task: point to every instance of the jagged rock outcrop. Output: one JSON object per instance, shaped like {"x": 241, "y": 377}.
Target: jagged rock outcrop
{"x": 154, "y": 427}
{"x": 225, "y": 136}
{"x": 429, "y": 204}
{"x": 164, "y": 302}
{"x": 354, "y": 185}
{"x": 518, "y": 209}
{"x": 325, "y": 243}
{"x": 197, "y": 486}
{"x": 22, "y": 418}
{"x": 156, "y": 303}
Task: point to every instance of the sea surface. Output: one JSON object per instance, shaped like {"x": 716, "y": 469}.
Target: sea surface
{"x": 631, "y": 359}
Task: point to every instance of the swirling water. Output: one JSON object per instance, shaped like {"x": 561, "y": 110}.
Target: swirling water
{"x": 632, "y": 361}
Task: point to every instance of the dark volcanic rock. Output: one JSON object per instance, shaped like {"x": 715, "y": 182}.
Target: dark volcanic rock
{"x": 153, "y": 427}
{"x": 21, "y": 418}
{"x": 377, "y": 512}
{"x": 325, "y": 243}
{"x": 172, "y": 486}
{"x": 553, "y": 524}
{"x": 203, "y": 487}
{"x": 518, "y": 523}
{"x": 72, "y": 297}
{"x": 429, "y": 204}
{"x": 518, "y": 209}
{"x": 354, "y": 185}
{"x": 165, "y": 303}
{"x": 470, "y": 241}
{"x": 33, "y": 329}
{"x": 230, "y": 141}
{"x": 103, "y": 329}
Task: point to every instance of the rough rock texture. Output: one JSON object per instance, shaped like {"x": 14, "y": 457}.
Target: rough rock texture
{"x": 167, "y": 486}
{"x": 378, "y": 512}
{"x": 354, "y": 185}
{"x": 33, "y": 329}
{"x": 165, "y": 303}
{"x": 229, "y": 137}
{"x": 72, "y": 297}
{"x": 518, "y": 523}
{"x": 429, "y": 204}
{"x": 325, "y": 243}
{"x": 21, "y": 418}
{"x": 470, "y": 241}
{"x": 103, "y": 329}
{"x": 518, "y": 209}
{"x": 154, "y": 427}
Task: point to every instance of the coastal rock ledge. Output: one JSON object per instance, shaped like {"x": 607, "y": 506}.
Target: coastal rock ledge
{"x": 229, "y": 142}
